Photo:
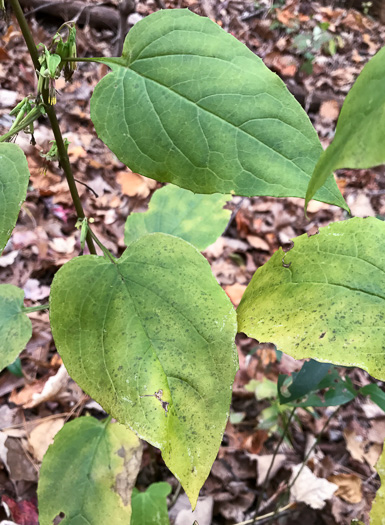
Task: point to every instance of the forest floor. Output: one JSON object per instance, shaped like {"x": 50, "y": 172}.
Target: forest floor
{"x": 318, "y": 49}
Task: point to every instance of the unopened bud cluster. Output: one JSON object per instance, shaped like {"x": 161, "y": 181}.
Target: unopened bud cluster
{"x": 52, "y": 64}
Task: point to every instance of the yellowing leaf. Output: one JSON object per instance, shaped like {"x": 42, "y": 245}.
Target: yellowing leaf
{"x": 88, "y": 474}
{"x": 199, "y": 219}
{"x": 325, "y": 298}
{"x": 151, "y": 338}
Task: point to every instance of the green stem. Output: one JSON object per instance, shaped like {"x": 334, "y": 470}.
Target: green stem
{"x": 62, "y": 151}
{"x": 31, "y": 117}
{"x": 101, "y": 246}
{"x": 175, "y": 496}
{"x": 30, "y": 309}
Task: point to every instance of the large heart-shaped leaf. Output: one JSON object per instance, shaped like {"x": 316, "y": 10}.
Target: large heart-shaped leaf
{"x": 360, "y": 134}
{"x": 189, "y": 104}
{"x": 325, "y": 298}
{"x": 151, "y": 338}
{"x": 150, "y": 507}
{"x": 15, "y": 326}
{"x": 88, "y": 474}
{"x": 199, "y": 219}
{"x": 14, "y": 177}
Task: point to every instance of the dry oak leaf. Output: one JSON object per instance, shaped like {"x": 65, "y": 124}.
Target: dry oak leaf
{"x": 349, "y": 487}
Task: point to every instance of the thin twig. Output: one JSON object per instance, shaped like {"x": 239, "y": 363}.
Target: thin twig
{"x": 88, "y": 187}
{"x": 266, "y": 516}
{"x": 266, "y": 480}
{"x": 62, "y": 150}
{"x": 175, "y": 496}
{"x": 106, "y": 252}
{"x": 33, "y": 421}
{"x": 317, "y": 440}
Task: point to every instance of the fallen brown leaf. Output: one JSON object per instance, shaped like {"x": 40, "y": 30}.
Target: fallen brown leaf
{"x": 329, "y": 110}
{"x": 349, "y": 487}
{"x": 133, "y": 184}
{"x": 42, "y": 436}
{"x": 235, "y": 292}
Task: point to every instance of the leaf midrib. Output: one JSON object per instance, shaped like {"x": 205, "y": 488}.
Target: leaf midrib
{"x": 222, "y": 119}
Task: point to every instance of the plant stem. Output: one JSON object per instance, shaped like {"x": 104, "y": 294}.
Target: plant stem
{"x": 266, "y": 516}
{"x": 265, "y": 481}
{"x": 62, "y": 151}
{"x": 33, "y": 115}
{"x": 175, "y": 496}
{"x": 101, "y": 246}
{"x": 30, "y": 309}
{"x": 313, "y": 447}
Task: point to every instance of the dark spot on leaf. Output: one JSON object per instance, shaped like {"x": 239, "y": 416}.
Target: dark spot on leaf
{"x": 60, "y": 517}
{"x": 322, "y": 335}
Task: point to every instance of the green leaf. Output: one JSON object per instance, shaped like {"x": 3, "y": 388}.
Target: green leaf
{"x": 360, "y": 135}
{"x": 302, "y": 382}
{"x": 330, "y": 303}
{"x": 15, "y": 326}
{"x": 150, "y": 507}
{"x": 14, "y": 177}
{"x": 198, "y": 219}
{"x": 338, "y": 391}
{"x": 189, "y": 104}
{"x": 88, "y": 474}
{"x": 377, "y": 513}
{"x": 15, "y": 368}
{"x": 375, "y": 393}
{"x": 155, "y": 324}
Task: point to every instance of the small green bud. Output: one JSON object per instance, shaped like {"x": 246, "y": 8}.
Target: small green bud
{"x": 82, "y": 225}
{"x": 70, "y": 67}
{"x": 18, "y": 107}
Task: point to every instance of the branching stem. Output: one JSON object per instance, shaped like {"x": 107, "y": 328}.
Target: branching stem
{"x": 305, "y": 459}
{"x": 106, "y": 252}
{"x": 266, "y": 517}
{"x": 31, "y": 117}
{"x": 276, "y": 450}
{"x": 62, "y": 151}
